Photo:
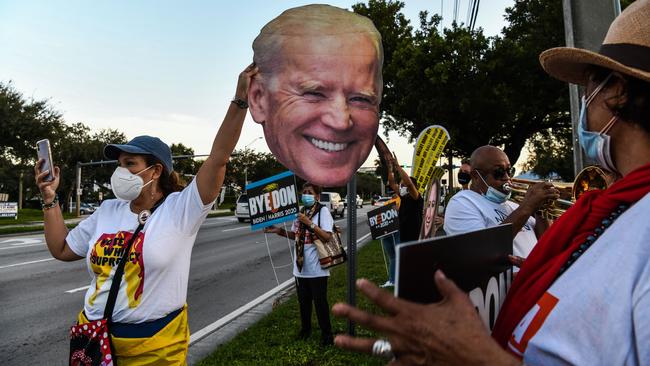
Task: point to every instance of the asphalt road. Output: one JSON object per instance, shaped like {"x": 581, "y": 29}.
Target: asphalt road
{"x": 40, "y": 297}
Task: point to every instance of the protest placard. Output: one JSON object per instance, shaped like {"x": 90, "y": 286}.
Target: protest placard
{"x": 476, "y": 261}
{"x": 383, "y": 221}
{"x": 272, "y": 200}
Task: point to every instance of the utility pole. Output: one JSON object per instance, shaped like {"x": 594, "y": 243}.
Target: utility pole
{"x": 20, "y": 191}
{"x": 78, "y": 190}
{"x": 585, "y": 25}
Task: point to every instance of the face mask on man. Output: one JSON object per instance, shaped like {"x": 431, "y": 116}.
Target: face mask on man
{"x": 464, "y": 177}
{"x": 126, "y": 185}
{"x": 308, "y": 200}
{"x": 403, "y": 191}
{"x": 493, "y": 194}
{"x": 596, "y": 145}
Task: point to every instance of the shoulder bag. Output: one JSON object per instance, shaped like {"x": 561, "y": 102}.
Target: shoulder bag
{"x": 331, "y": 252}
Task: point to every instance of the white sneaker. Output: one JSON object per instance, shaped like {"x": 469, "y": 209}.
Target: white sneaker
{"x": 387, "y": 284}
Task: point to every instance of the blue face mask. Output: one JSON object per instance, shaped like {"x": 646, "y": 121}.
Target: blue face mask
{"x": 492, "y": 194}
{"x": 596, "y": 145}
{"x": 308, "y": 199}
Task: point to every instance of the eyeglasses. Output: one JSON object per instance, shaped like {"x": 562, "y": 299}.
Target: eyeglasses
{"x": 500, "y": 172}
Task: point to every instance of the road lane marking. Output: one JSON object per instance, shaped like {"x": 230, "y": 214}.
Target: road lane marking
{"x": 23, "y": 241}
{"x": 77, "y": 289}
{"x": 237, "y": 228}
{"x": 30, "y": 262}
{"x": 211, "y": 328}
{"x": 14, "y": 246}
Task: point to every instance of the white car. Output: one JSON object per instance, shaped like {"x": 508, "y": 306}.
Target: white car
{"x": 359, "y": 201}
{"x": 333, "y": 202}
{"x": 241, "y": 210}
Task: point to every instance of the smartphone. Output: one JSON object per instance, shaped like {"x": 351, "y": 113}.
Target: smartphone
{"x": 44, "y": 152}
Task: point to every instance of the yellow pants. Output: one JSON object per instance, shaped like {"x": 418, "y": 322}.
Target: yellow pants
{"x": 167, "y": 347}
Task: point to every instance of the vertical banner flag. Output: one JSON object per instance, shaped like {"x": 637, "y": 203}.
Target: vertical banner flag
{"x": 383, "y": 221}
{"x": 272, "y": 200}
{"x": 428, "y": 148}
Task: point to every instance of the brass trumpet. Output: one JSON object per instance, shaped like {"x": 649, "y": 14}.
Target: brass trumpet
{"x": 590, "y": 178}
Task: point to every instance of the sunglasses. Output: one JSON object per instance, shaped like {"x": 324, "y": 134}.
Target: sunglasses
{"x": 500, "y": 173}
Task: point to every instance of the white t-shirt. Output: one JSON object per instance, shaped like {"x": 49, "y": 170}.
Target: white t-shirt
{"x": 155, "y": 278}
{"x": 598, "y": 311}
{"x": 311, "y": 264}
{"x": 470, "y": 211}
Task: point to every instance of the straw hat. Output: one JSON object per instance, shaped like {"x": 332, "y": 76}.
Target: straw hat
{"x": 626, "y": 49}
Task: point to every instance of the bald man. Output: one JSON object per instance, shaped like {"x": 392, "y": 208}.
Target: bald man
{"x": 486, "y": 203}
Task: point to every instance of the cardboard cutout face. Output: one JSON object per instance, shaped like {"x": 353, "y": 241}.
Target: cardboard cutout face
{"x": 319, "y": 106}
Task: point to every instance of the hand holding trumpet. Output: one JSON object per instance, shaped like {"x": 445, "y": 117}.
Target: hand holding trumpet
{"x": 537, "y": 195}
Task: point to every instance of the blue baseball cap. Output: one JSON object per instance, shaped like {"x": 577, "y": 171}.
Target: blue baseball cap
{"x": 143, "y": 145}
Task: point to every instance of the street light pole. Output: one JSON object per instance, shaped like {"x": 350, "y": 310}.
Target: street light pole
{"x": 245, "y": 167}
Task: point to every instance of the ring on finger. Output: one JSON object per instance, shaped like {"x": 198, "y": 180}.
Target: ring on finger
{"x": 383, "y": 349}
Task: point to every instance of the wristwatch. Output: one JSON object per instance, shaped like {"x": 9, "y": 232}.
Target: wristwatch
{"x": 312, "y": 226}
{"x": 239, "y": 102}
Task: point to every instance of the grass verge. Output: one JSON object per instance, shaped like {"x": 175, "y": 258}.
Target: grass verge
{"x": 271, "y": 341}
{"x": 28, "y": 216}
{"x": 221, "y": 214}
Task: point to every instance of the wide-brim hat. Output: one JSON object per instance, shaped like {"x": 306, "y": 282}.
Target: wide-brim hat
{"x": 143, "y": 145}
{"x": 626, "y": 49}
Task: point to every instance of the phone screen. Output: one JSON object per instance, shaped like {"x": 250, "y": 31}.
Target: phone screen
{"x": 44, "y": 152}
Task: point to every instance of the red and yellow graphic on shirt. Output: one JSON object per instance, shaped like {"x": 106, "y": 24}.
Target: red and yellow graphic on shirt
{"x": 106, "y": 254}
{"x": 531, "y": 323}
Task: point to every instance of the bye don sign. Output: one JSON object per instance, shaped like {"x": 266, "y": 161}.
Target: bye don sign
{"x": 272, "y": 200}
{"x": 383, "y": 221}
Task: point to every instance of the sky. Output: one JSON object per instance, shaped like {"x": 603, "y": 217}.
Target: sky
{"x": 163, "y": 68}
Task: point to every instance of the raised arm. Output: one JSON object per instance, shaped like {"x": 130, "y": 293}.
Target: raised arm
{"x": 535, "y": 198}
{"x": 53, "y": 224}
{"x": 391, "y": 176}
{"x": 211, "y": 174}
{"x": 406, "y": 180}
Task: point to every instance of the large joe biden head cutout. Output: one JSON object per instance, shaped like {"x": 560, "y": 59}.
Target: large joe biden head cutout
{"x": 318, "y": 90}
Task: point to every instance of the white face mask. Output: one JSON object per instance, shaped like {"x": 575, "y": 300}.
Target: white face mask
{"x": 126, "y": 185}
{"x": 403, "y": 191}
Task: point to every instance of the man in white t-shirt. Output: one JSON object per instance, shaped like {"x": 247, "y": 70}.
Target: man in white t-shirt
{"x": 486, "y": 203}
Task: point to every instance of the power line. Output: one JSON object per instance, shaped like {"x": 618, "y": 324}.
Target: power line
{"x": 470, "y": 5}
{"x": 474, "y": 14}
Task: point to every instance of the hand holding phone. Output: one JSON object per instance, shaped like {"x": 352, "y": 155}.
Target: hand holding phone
{"x": 44, "y": 152}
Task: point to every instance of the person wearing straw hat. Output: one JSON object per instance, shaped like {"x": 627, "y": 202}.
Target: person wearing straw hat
{"x": 582, "y": 296}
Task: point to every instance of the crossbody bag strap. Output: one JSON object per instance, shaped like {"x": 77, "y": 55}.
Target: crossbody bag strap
{"x": 119, "y": 271}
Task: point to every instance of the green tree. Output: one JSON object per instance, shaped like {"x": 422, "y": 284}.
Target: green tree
{"x": 186, "y": 167}
{"x": 551, "y": 150}
{"x": 248, "y": 164}
{"x": 483, "y": 90}
{"x": 24, "y": 122}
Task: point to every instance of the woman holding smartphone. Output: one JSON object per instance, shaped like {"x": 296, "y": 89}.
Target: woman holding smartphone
{"x": 150, "y": 315}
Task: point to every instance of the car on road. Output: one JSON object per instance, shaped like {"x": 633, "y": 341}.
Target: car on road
{"x": 84, "y": 208}
{"x": 358, "y": 199}
{"x": 333, "y": 202}
{"x": 241, "y": 208}
{"x": 381, "y": 201}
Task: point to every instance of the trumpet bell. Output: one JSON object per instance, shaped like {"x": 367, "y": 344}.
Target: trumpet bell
{"x": 590, "y": 178}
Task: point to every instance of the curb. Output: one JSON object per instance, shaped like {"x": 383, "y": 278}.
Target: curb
{"x": 206, "y": 340}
